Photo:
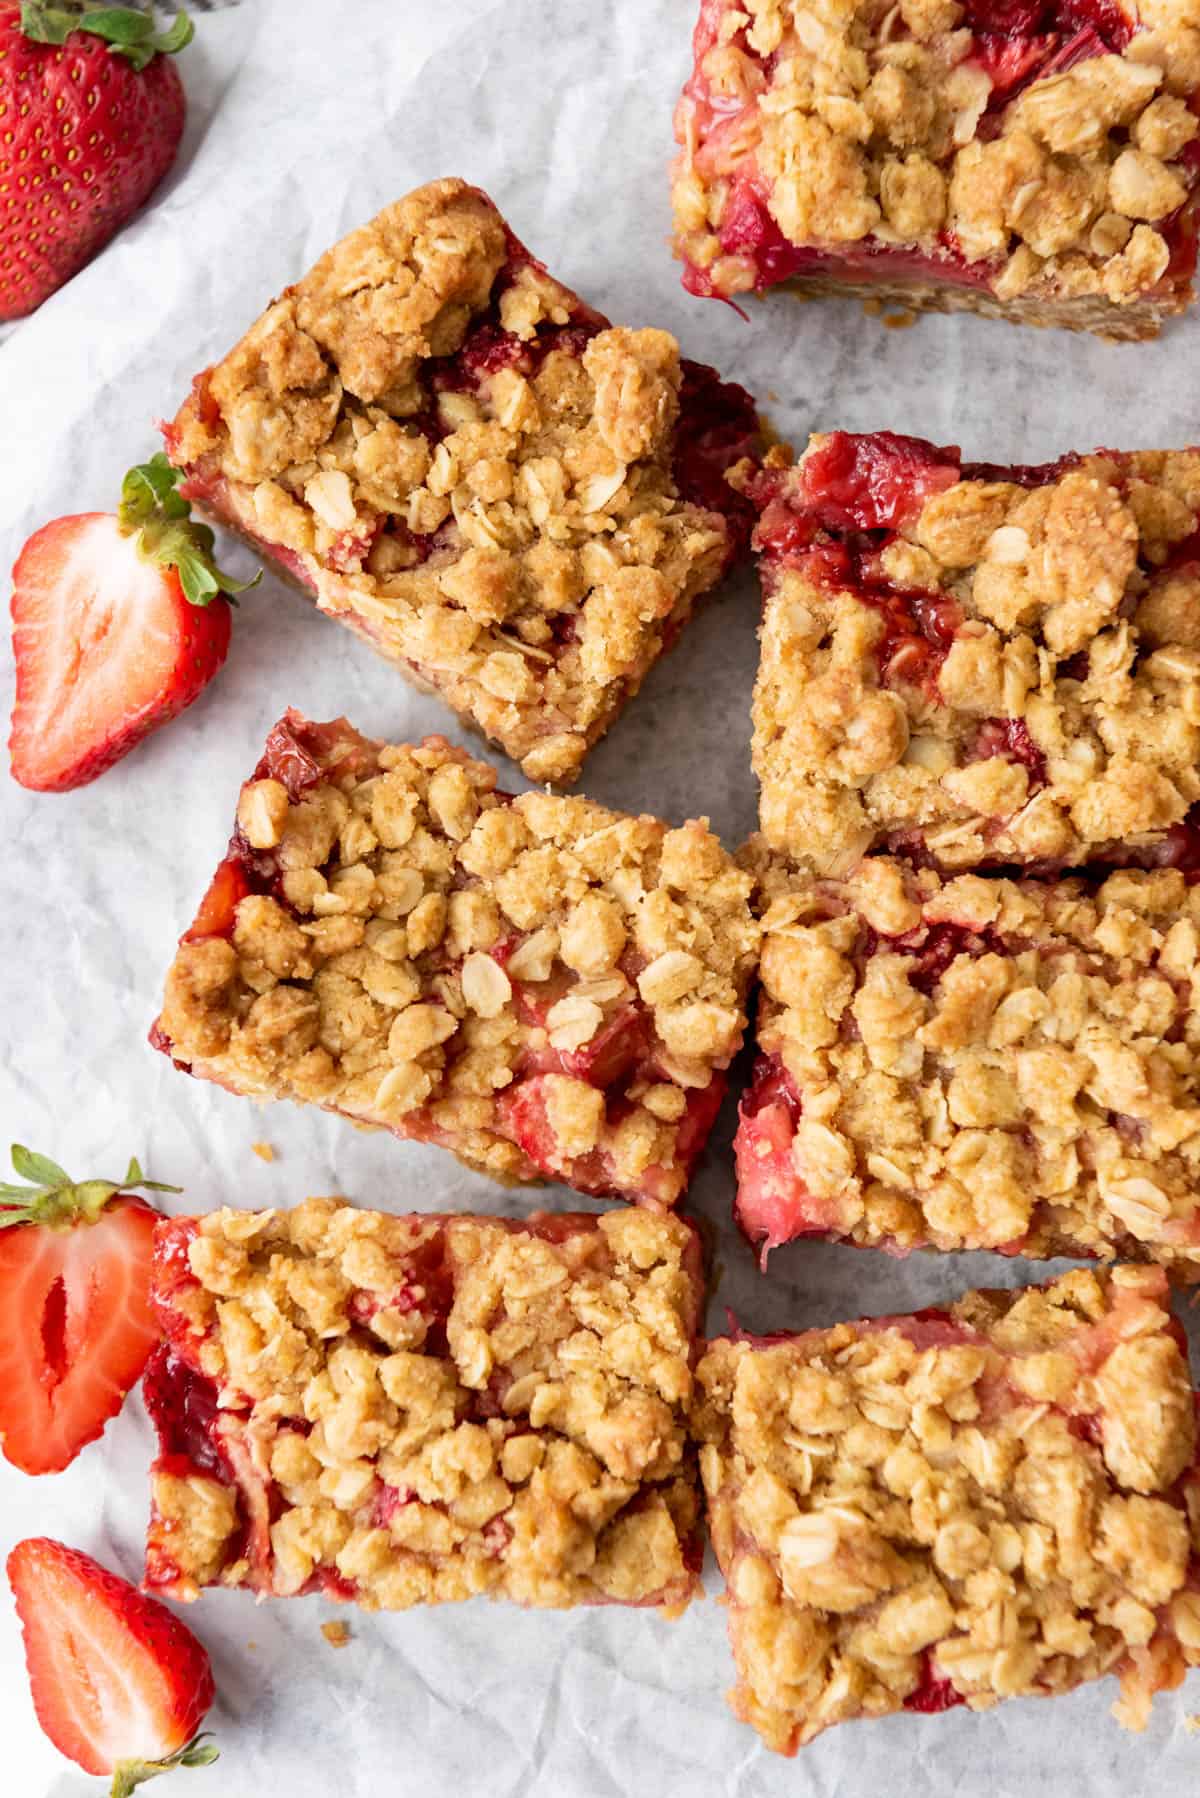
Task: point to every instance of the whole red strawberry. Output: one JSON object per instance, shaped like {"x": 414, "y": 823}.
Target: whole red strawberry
{"x": 91, "y": 114}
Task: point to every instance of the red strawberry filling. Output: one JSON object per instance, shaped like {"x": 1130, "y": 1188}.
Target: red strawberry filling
{"x": 873, "y": 483}
{"x": 773, "y": 1205}
{"x": 1011, "y": 738}
{"x": 525, "y": 1117}
{"x": 184, "y": 1409}
{"x": 842, "y": 506}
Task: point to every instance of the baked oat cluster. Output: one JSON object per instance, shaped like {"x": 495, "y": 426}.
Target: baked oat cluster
{"x": 977, "y": 1063}
{"x": 954, "y": 1508}
{"x": 545, "y": 987}
{"x": 978, "y": 665}
{"x": 1035, "y": 161}
{"x": 404, "y": 1410}
{"x": 513, "y": 501}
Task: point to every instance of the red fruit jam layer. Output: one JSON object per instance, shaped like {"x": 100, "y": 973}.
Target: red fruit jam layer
{"x": 1016, "y": 42}
{"x": 625, "y": 1057}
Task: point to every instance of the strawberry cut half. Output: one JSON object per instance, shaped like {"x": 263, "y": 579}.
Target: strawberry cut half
{"x": 119, "y": 622}
{"x": 107, "y": 648}
{"x": 119, "y": 1684}
{"x": 75, "y": 1268}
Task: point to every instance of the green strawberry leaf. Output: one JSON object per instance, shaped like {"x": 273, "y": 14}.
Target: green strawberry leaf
{"x": 53, "y": 1198}
{"x": 127, "y": 31}
{"x": 37, "y": 1168}
{"x": 153, "y": 509}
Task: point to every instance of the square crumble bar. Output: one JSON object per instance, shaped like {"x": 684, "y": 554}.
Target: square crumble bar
{"x": 514, "y": 502}
{"x": 978, "y": 1064}
{"x": 974, "y": 664}
{"x": 1032, "y": 160}
{"x": 997, "y": 1501}
{"x": 405, "y": 1410}
{"x": 547, "y": 988}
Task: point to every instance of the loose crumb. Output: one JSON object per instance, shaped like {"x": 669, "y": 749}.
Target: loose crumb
{"x": 263, "y": 1150}
{"x": 336, "y": 1634}
{"x": 899, "y": 321}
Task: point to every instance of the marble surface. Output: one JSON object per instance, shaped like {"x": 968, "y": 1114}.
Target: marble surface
{"x": 299, "y": 131}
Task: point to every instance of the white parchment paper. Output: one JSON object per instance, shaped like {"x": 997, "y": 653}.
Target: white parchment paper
{"x": 307, "y": 115}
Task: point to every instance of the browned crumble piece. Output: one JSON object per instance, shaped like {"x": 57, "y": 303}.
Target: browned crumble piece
{"x": 549, "y": 989}
{"x": 976, "y": 665}
{"x": 405, "y": 1410}
{"x": 336, "y": 1634}
{"x": 263, "y": 1150}
{"x": 977, "y": 1063}
{"x": 996, "y": 1501}
{"x": 513, "y": 501}
{"x": 1035, "y": 162}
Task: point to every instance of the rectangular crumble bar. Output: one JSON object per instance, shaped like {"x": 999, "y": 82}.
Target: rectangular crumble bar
{"x": 508, "y": 498}
{"x": 978, "y": 665}
{"x": 407, "y": 1410}
{"x": 978, "y": 1063}
{"x": 994, "y": 1501}
{"x": 1031, "y": 160}
{"x": 549, "y": 989}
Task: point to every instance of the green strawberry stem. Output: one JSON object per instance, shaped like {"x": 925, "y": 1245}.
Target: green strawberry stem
{"x": 51, "y": 1196}
{"x": 153, "y": 508}
{"x": 201, "y": 1751}
{"x": 127, "y": 31}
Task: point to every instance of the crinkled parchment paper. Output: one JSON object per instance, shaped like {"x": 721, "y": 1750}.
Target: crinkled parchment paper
{"x": 307, "y": 116}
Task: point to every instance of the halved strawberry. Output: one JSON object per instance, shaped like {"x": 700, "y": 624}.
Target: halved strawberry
{"x": 75, "y": 1264}
{"x": 118, "y": 624}
{"x": 119, "y": 1684}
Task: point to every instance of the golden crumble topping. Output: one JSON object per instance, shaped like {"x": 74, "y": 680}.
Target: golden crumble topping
{"x": 463, "y": 462}
{"x": 959, "y": 1507}
{"x": 1025, "y": 161}
{"x": 405, "y": 1410}
{"x": 978, "y": 1063}
{"x": 1002, "y": 667}
{"x": 547, "y": 988}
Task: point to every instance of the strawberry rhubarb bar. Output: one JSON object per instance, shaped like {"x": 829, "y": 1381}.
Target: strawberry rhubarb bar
{"x": 1034, "y": 160}
{"x": 512, "y": 500}
{"x": 974, "y": 664}
{"x": 957, "y": 1507}
{"x": 405, "y": 1410}
{"x": 545, "y": 987}
{"x": 977, "y": 1063}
